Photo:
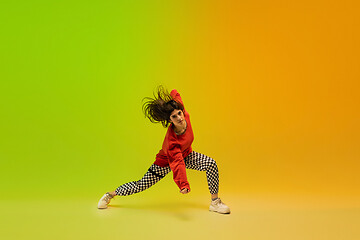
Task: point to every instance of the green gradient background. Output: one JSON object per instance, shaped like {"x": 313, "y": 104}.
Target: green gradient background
{"x": 272, "y": 89}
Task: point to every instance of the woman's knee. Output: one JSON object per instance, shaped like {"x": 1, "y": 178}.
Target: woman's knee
{"x": 211, "y": 163}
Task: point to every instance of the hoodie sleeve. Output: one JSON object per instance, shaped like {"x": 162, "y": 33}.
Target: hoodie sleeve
{"x": 176, "y": 96}
{"x": 177, "y": 165}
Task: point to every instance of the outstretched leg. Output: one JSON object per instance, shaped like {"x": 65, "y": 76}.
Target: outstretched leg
{"x": 154, "y": 174}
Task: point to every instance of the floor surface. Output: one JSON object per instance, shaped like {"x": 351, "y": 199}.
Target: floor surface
{"x": 137, "y": 217}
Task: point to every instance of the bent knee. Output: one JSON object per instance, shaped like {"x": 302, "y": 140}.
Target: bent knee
{"x": 211, "y": 163}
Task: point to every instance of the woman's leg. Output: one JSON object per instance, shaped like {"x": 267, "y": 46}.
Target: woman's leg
{"x": 154, "y": 174}
{"x": 201, "y": 162}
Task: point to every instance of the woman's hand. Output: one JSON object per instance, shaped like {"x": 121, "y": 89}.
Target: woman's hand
{"x": 184, "y": 191}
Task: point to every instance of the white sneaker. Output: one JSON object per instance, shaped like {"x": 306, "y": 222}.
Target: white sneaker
{"x": 105, "y": 200}
{"x": 218, "y": 206}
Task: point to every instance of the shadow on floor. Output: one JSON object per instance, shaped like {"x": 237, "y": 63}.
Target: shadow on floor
{"x": 178, "y": 210}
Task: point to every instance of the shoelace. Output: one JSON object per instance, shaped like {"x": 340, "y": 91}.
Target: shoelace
{"x": 108, "y": 197}
{"x": 219, "y": 202}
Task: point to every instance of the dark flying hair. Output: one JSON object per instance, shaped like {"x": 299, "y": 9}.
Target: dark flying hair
{"x": 159, "y": 108}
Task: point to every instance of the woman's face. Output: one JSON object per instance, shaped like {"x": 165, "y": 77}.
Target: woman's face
{"x": 177, "y": 118}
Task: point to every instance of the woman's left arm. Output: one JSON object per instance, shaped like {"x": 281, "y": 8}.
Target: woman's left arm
{"x": 176, "y": 96}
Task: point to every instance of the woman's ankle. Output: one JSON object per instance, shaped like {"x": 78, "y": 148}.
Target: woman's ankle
{"x": 214, "y": 196}
{"x": 113, "y": 193}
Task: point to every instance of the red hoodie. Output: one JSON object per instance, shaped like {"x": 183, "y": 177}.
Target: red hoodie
{"x": 176, "y": 147}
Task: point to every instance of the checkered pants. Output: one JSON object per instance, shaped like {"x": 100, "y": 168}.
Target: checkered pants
{"x": 155, "y": 173}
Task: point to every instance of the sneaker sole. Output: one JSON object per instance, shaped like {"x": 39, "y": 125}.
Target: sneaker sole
{"x": 213, "y": 210}
{"x": 102, "y": 207}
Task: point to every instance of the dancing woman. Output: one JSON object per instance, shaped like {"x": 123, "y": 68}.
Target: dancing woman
{"x": 176, "y": 153}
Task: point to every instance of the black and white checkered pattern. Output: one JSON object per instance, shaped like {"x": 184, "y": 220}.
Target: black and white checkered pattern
{"x": 152, "y": 176}
{"x": 155, "y": 173}
{"x": 201, "y": 162}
